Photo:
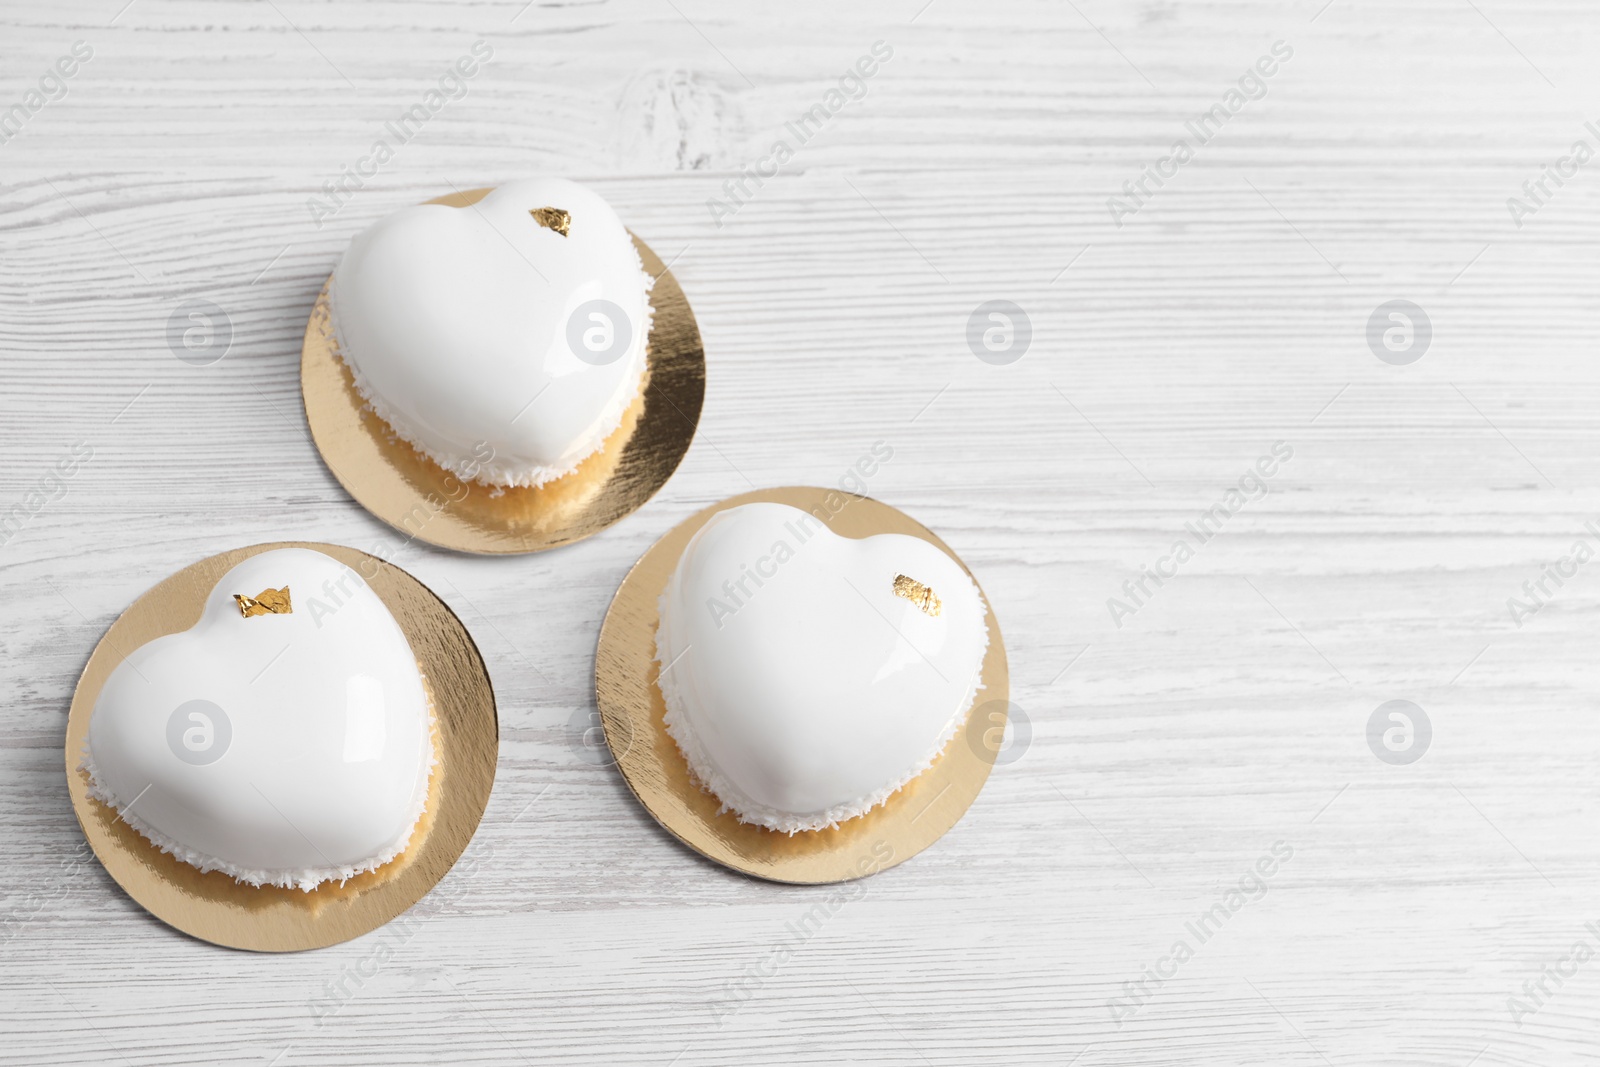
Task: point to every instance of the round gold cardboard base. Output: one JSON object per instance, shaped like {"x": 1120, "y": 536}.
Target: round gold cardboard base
{"x": 631, "y": 711}
{"x": 410, "y": 492}
{"x": 212, "y": 906}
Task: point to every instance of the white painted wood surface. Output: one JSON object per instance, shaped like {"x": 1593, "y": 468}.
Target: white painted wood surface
{"x": 1167, "y": 754}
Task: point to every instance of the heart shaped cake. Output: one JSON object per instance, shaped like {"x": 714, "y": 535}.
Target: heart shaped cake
{"x": 504, "y": 340}
{"x": 285, "y": 739}
{"x": 808, "y": 676}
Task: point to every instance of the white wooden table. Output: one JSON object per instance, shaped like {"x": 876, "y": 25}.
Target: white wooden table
{"x": 1421, "y": 904}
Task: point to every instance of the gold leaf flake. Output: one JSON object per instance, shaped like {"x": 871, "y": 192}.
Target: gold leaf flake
{"x": 266, "y": 602}
{"x": 552, "y": 218}
{"x": 917, "y": 593}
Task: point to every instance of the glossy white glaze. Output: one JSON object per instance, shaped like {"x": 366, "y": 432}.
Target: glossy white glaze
{"x": 799, "y": 687}
{"x": 455, "y": 324}
{"x": 323, "y": 732}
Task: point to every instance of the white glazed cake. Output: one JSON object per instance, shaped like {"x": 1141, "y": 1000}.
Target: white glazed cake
{"x": 504, "y": 340}
{"x": 809, "y": 676}
{"x": 285, "y": 739}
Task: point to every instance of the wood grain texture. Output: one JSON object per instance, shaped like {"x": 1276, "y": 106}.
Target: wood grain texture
{"x": 1167, "y": 754}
